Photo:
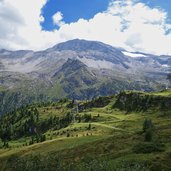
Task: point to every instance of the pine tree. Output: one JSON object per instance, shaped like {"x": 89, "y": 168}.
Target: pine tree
{"x": 148, "y": 130}
{"x": 148, "y": 135}
{"x": 89, "y": 126}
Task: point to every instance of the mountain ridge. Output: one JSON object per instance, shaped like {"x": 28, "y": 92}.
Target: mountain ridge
{"x": 103, "y": 69}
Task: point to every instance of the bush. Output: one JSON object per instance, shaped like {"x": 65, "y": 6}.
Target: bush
{"x": 34, "y": 163}
{"x": 68, "y": 134}
{"x": 148, "y": 147}
{"x": 104, "y": 165}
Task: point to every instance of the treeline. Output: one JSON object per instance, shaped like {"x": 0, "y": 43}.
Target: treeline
{"x": 141, "y": 102}
{"x": 18, "y": 123}
{"x": 95, "y": 102}
{"x": 26, "y": 122}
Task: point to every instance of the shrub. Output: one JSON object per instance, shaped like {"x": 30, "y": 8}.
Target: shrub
{"x": 149, "y": 147}
{"x": 68, "y": 134}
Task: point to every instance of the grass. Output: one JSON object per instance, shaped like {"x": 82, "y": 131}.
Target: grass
{"x": 112, "y": 136}
{"x": 166, "y": 93}
{"x": 56, "y": 91}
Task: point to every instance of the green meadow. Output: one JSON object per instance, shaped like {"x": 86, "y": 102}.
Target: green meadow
{"x": 107, "y": 133}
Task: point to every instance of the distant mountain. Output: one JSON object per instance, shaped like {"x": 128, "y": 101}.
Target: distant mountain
{"x": 77, "y": 69}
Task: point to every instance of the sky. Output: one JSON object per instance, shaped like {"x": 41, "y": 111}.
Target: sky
{"x": 135, "y": 25}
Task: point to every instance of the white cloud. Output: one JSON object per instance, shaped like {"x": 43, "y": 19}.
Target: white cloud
{"x": 57, "y": 19}
{"x": 126, "y": 23}
{"x": 10, "y": 21}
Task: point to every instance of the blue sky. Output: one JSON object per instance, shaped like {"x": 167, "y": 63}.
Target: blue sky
{"x": 73, "y": 10}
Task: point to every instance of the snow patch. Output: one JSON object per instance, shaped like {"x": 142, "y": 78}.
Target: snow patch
{"x": 133, "y": 55}
{"x": 165, "y": 65}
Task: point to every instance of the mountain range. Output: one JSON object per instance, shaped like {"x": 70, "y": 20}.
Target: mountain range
{"x": 77, "y": 69}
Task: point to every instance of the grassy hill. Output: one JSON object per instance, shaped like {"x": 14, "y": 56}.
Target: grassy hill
{"x": 129, "y": 131}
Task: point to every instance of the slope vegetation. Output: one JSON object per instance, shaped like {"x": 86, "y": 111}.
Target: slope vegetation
{"x": 129, "y": 131}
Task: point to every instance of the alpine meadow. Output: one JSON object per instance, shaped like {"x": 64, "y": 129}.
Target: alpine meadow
{"x": 85, "y": 85}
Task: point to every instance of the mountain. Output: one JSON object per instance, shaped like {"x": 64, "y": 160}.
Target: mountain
{"x": 76, "y": 69}
{"x": 127, "y": 131}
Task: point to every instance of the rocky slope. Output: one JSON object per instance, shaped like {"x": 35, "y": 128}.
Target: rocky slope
{"x": 78, "y": 69}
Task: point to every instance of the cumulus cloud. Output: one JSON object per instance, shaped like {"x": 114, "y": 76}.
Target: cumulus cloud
{"x": 20, "y": 23}
{"x": 126, "y": 23}
{"x": 10, "y": 21}
{"x": 57, "y": 19}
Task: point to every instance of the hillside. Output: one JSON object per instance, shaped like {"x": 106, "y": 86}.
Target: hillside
{"x": 131, "y": 101}
{"x": 77, "y": 69}
{"x": 128, "y": 131}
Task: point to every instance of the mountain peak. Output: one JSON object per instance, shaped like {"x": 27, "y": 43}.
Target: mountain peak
{"x": 80, "y": 45}
{"x": 71, "y": 65}
{"x": 75, "y": 63}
